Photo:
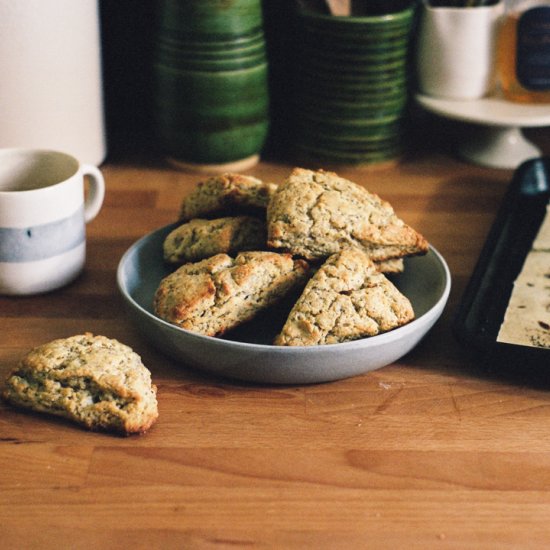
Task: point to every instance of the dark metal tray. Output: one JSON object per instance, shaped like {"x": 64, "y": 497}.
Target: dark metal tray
{"x": 487, "y": 294}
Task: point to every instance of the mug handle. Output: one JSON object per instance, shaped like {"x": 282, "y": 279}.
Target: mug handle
{"x": 96, "y": 191}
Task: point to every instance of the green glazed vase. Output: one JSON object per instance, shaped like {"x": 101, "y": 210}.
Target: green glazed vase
{"x": 211, "y": 97}
{"x": 351, "y": 83}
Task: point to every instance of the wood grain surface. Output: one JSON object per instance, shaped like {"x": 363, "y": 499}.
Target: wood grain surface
{"x": 430, "y": 452}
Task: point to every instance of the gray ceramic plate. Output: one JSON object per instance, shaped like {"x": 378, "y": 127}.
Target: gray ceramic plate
{"x": 246, "y": 354}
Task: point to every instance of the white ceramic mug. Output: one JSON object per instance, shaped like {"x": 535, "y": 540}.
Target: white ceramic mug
{"x": 43, "y": 214}
{"x": 456, "y": 52}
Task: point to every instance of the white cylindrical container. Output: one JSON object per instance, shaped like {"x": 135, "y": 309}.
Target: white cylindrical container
{"x": 456, "y": 54}
{"x": 51, "y": 92}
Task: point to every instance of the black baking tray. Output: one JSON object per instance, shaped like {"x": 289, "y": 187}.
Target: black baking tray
{"x": 485, "y": 299}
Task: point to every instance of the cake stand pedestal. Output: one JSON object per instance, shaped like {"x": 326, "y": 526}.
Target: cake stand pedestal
{"x": 496, "y": 138}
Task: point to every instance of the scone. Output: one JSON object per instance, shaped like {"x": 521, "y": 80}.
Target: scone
{"x": 316, "y": 214}
{"x": 199, "y": 238}
{"x": 93, "y": 380}
{"x": 227, "y": 194}
{"x": 346, "y": 299}
{"x": 217, "y": 294}
{"x": 394, "y": 265}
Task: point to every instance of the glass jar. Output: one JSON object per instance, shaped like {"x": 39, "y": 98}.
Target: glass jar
{"x": 523, "y": 63}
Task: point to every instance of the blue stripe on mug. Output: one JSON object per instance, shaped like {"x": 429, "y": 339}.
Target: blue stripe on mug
{"x": 42, "y": 241}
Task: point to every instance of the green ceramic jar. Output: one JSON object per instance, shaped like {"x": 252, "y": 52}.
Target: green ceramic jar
{"x": 211, "y": 95}
{"x": 351, "y": 85}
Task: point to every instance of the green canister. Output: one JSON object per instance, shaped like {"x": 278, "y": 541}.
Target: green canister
{"x": 211, "y": 98}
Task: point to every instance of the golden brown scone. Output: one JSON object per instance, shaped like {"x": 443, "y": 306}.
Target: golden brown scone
{"x": 199, "y": 238}
{"x": 217, "y": 294}
{"x": 346, "y": 299}
{"x": 227, "y": 194}
{"x": 93, "y": 380}
{"x": 395, "y": 265}
{"x": 316, "y": 214}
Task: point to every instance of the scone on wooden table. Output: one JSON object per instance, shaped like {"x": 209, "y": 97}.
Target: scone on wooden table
{"x": 346, "y": 299}
{"x": 219, "y": 293}
{"x": 93, "y": 380}
{"x": 200, "y": 238}
{"x": 316, "y": 214}
{"x": 226, "y": 194}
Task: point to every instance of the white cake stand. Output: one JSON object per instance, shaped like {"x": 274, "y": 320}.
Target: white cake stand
{"x": 497, "y": 139}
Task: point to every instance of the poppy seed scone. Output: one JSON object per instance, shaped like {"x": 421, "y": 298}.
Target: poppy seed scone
{"x": 394, "y": 265}
{"x": 226, "y": 194}
{"x": 346, "y": 299}
{"x": 199, "y": 238}
{"x": 316, "y": 214}
{"x": 219, "y": 293}
{"x": 93, "y": 380}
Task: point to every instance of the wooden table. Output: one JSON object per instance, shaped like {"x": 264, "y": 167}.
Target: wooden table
{"x": 429, "y": 452}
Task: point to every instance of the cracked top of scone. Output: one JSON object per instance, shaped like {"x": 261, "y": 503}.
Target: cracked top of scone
{"x": 314, "y": 214}
{"x": 227, "y": 194}
{"x": 346, "y": 299}
{"x": 219, "y": 293}
{"x": 93, "y": 380}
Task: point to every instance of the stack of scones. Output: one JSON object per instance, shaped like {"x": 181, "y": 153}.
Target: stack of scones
{"x": 245, "y": 245}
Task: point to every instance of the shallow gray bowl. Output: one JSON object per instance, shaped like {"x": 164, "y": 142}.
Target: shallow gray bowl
{"x": 247, "y": 354}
